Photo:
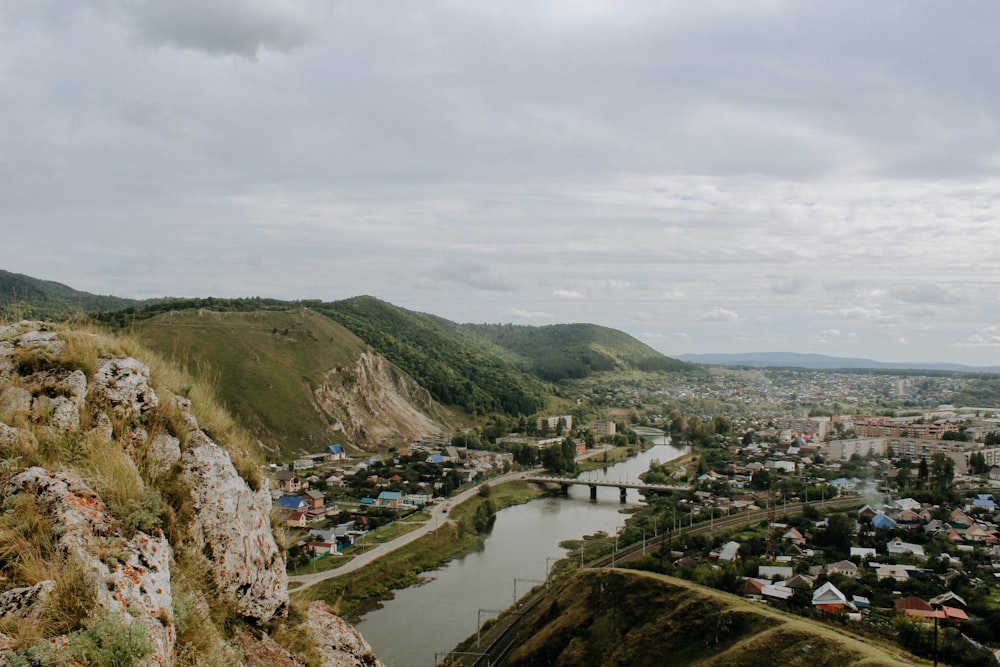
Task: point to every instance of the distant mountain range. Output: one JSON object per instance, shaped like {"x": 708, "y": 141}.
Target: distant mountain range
{"x": 822, "y": 362}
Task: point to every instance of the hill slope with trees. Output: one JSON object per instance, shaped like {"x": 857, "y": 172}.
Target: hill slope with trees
{"x": 574, "y": 351}
{"x": 24, "y": 297}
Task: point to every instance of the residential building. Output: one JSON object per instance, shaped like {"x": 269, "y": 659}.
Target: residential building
{"x": 289, "y": 481}
{"x": 603, "y": 429}
{"x": 551, "y": 422}
{"x": 842, "y": 450}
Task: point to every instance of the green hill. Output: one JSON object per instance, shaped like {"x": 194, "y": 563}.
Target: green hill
{"x": 24, "y": 297}
{"x": 264, "y": 366}
{"x": 614, "y": 617}
{"x": 456, "y": 367}
{"x": 573, "y": 351}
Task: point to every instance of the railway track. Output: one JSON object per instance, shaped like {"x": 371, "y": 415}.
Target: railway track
{"x": 504, "y": 636}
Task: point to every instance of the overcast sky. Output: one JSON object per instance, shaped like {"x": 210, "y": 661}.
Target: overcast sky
{"x": 706, "y": 176}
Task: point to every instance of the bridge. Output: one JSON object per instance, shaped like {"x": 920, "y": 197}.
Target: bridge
{"x": 622, "y": 487}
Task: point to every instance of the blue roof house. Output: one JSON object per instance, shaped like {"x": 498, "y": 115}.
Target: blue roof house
{"x": 389, "y": 498}
{"x": 291, "y": 503}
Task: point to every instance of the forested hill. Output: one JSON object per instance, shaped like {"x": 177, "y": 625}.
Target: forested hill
{"x": 571, "y": 351}
{"x": 481, "y": 368}
{"x": 24, "y": 297}
{"x": 455, "y": 366}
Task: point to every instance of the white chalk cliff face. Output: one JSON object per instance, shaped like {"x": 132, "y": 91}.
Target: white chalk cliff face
{"x": 51, "y": 411}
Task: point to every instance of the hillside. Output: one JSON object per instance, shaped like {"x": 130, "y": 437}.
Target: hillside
{"x": 24, "y": 297}
{"x": 574, "y": 351}
{"x": 620, "y": 617}
{"x": 136, "y": 526}
{"x": 297, "y": 380}
{"x": 456, "y": 368}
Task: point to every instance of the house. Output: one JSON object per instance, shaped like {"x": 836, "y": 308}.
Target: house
{"x": 772, "y": 572}
{"x": 754, "y": 588}
{"x": 844, "y": 568}
{"x": 959, "y": 519}
{"x": 794, "y": 536}
{"x": 948, "y": 598}
{"x": 288, "y": 481}
{"x": 315, "y": 499}
{"x": 863, "y": 552}
{"x": 897, "y": 572}
{"x": 336, "y": 453}
{"x": 912, "y": 602}
{"x": 883, "y": 522}
{"x": 727, "y": 552}
{"x": 898, "y": 547}
{"x": 389, "y": 499}
{"x": 777, "y": 592}
{"x": 296, "y": 519}
{"x": 829, "y": 598}
{"x": 976, "y": 533}
{"x": 867, "y": 513}
{"x": 801, "y": 581}
{"x": 291, "y": 503}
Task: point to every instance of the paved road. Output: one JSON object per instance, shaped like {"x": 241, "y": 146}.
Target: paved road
{"x": 438, "y": 516}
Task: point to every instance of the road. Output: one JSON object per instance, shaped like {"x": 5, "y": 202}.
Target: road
{"x": 438, "y": 516}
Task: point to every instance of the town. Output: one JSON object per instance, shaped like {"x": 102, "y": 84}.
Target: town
{"x": 914, "y": 538}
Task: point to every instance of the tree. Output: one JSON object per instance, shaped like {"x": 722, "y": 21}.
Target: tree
{"x": 923, "y": 472}
{"x": 942, "y": 469}
{"x": 903, "y": 474}
{"x": 838, "y": 534}
{"x": 761, "y": 480}
{"x": 977, "y": 463}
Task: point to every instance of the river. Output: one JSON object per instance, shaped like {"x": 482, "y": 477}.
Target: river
{"x": 421, "y": 621}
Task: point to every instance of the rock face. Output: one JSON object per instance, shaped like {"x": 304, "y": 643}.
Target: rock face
{"x": 233, "y": 523}
{"x": 128, "y": 572}
{"x": 374, "y": 401}
{"x": 339, "y": 644}
{"x": 135, "y": 585}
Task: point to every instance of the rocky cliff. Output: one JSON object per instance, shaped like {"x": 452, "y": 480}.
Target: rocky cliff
{"x": 298, "y": 380}
{"x": 374, "y": 402}
{"x": 130, "y": 534}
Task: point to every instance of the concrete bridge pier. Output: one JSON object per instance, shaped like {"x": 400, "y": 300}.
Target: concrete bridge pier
{"x": 622, "y": 492}
{"x": 593, "y": 493}
{"x": 565, "y": 489}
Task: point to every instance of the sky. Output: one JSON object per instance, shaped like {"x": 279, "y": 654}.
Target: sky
{"x": 743, "y": 176}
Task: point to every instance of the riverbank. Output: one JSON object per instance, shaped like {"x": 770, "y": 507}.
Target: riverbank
{"x": 367, "y": 586}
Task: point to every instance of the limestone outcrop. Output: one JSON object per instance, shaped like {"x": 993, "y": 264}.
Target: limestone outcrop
{"x": 337, "y": 642}
{"x": 233, "y": 523}
{"x": 373, "y": 401}
{"x": 53, "y": 417}
{"x": 135, "y": 584}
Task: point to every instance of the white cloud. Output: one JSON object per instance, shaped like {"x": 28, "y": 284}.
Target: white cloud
{"x": 719, "y": 315}
{"x": 363, "y": 147}
{"x": 524, "y": 314}
{"x": 986, "y": 337}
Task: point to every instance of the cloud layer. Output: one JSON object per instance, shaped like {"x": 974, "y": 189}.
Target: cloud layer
{"x": 706, "y": 176}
